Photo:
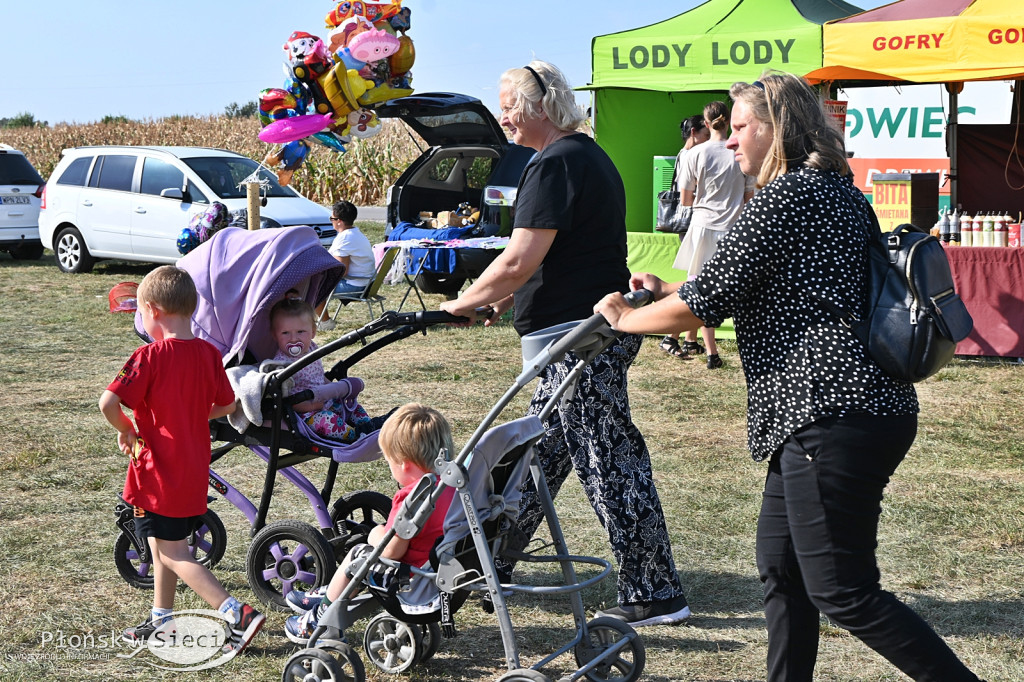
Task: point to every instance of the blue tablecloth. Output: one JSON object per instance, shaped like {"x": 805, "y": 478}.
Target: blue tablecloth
{"x": 440, "y": 261}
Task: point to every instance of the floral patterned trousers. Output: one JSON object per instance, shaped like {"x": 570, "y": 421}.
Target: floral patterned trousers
{"x": 594, "y": 434}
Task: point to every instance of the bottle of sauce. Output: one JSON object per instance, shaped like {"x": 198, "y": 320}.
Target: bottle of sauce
{"x": 944, "y": 228}
{"x": 954, "y": 228}
{"x": 977, "y": 224}
{"x": 1001, "y": 229}
{"x": 966, "y": 229}
{"x": 988, "y": 227}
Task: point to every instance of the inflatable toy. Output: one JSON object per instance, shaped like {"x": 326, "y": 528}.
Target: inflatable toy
{"x": 294, "y": 128}
{"x": 332, "y": 85}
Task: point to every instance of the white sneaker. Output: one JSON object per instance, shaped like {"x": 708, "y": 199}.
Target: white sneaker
{"x": 325, "y": 325}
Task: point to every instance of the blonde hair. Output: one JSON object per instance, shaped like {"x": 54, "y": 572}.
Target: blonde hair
{"x": 547, "y": 92}
{"x": 416, "y": 433}
{"x": 171, "y": 289}
{"x": 802, "y": 133}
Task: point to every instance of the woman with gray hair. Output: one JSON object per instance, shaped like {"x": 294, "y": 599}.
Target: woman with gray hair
{"x": 832, "y": 424}
{"x": 568, "y": 248}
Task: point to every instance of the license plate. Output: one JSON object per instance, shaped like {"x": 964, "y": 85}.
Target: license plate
{"x": 9, "y": 199}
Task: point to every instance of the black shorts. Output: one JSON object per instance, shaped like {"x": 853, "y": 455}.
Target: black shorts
{"x": 151, "y": 525}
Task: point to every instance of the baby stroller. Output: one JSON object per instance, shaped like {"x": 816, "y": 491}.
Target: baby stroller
{"x": 487, "y": 475}
{"x": 239, "y": 275}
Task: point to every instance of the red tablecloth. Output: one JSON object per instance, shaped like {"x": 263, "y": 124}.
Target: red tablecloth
{"x": 990, "y": 280}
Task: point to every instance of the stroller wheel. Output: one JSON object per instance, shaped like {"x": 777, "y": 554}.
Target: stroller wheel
{"x": 524, "y": 675}
{"x": 391, "y": 645}
{"x": 354, "y": 514}
{"x": 318, "y": 665}
{"x": 284, "y": 556}
{"x": 207, "y": 544}
{"x": 430, "y": 634}
{"x": 625, "y": 665}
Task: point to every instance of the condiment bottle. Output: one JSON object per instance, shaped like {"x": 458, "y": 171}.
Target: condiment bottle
{"x": 954, "y": 228}
{"x": 966, "y": 230}
{"x": 988, "y": 227}
{"x": 977, "y": 225}
{"x": 1001, "y": 229}
{"x": 944, "y": 228}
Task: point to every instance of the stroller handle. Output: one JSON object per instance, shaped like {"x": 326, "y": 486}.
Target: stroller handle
{"x": 595, "y": 326}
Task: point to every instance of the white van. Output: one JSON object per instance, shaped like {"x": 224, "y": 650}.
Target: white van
{"x": 131, "y": 203}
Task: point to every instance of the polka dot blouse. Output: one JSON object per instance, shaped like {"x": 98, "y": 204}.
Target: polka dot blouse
{"x": 799, "y": 234}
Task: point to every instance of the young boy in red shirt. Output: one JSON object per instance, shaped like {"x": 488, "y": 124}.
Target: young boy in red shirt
{"x": 411, "y": 440}
{"x": 173, "y": 386}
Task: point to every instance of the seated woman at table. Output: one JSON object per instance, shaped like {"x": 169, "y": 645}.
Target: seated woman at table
{"x": 352, "y": 249}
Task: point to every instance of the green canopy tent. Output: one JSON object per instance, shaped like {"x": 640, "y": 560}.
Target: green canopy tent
{"x": 646, "y": 80}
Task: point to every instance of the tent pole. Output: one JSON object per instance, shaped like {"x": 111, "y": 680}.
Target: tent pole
{"x": 954, "y": 90}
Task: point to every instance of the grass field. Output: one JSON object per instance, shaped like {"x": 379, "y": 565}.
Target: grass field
{"x": 951, "y": 541}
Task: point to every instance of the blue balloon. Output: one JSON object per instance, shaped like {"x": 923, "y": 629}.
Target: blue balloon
{"x": 187, "y": 240}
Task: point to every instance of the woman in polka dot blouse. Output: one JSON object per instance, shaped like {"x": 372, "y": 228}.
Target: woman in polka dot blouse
{"x": 832, "y": 425}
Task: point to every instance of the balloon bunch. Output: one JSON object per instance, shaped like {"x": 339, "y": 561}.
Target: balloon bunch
{"x": 332, "y": 86}
{"x": 202, "y": 226}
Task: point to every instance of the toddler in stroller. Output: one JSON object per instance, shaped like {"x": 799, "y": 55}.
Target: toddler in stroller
{"x": 332, "y": 412}
{"x": 479, "y": 526}
{"x": 410, "y": 440}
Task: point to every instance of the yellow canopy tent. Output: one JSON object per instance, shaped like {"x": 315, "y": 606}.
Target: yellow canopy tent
{"x": 927, "y": 41}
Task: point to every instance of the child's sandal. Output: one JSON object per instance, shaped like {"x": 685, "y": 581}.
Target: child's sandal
{"x": 693, "y": 348}
{"x": 671, "y": 346}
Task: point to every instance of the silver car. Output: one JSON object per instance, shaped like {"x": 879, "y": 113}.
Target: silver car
{"x": 131, "y": 203}
{"x": 20, "y": 192}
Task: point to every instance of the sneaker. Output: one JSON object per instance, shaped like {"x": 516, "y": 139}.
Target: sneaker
{"x": 325, "y": 325}
{"x": 714, "y": 362}
{"x": 300, "y": 601}
{"x": 300, "y": 628}
{"x": 141, "y": 633}
{"x": 247, "y": 623}
{"x": 666, "y": 612}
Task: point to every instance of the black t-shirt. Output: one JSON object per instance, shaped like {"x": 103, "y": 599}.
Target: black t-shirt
{"x": 573, "y": 187}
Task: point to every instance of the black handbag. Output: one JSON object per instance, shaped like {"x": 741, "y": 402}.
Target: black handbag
{"x": 914, "y": 318}
{"x": 673, "y": 217}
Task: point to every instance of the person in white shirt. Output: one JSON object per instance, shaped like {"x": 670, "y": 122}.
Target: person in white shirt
{"x": 352, "y": 249}
{"x": 694, "y": 132}
{"x": 711, "y": 181}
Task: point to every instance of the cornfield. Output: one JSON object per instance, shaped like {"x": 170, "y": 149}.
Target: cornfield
{"x": 360, "y": 175}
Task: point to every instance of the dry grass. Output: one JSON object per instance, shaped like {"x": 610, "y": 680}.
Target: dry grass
{"x": 361, "y": 174}
{"x": 951, "y": 542}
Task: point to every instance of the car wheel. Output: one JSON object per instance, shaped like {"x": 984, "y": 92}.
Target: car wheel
{"x": 434, "y": 283}
{"x": 27, "y": 251}
{"x": 71, "y": 253}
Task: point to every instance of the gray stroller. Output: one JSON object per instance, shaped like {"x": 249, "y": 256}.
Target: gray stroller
{"x": 419, "y": 603}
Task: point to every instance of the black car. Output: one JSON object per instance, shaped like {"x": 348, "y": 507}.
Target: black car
{"x": 469, "y": 160}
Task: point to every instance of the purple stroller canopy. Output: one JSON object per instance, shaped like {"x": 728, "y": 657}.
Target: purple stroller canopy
{"x": 240, "y": 274}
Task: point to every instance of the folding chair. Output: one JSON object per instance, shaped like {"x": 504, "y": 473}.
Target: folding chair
{"x": 369, "y": 295}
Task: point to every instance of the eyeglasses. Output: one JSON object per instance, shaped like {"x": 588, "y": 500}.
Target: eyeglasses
{"x": 333, "y": 218}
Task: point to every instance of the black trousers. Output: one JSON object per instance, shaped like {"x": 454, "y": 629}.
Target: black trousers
{"x": 816, "y": 540}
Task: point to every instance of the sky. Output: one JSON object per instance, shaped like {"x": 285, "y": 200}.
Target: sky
{"x": 73, "y": 61}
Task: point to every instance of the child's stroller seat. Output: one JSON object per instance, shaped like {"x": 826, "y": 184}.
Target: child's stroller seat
{"x": 495, "y": 474}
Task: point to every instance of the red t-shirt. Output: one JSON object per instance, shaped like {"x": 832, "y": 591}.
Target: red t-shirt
{"x": 170, "y": 386}
{"x": 418, "y": 551}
